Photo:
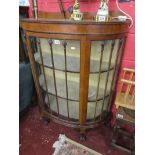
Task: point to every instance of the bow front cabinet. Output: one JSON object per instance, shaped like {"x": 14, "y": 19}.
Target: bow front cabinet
{"x": 75, "y": 67}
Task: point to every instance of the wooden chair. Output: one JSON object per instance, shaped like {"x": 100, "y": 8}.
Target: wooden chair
{"x": 126, "y": 96}
{"x": 125, "y": 104}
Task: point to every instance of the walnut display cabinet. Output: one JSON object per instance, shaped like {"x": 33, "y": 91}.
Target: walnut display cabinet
{"x": 75, "y": 67}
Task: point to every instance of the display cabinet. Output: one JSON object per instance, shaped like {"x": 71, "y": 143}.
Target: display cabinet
{"x": 75, "y": 67}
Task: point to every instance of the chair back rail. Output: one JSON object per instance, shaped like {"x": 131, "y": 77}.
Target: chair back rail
{"x": 126, "y": 94}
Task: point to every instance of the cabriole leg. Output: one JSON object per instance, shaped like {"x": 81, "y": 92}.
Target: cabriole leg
{"x": 82, "y": 134}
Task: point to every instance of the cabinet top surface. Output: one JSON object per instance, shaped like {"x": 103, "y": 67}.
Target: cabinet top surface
{"x": 68, "y": 21}
{"x": 66, "y": 26}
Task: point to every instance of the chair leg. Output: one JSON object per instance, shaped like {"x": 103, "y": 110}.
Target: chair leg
{"x": 133, "y": 144}
{"x": 115, "y": 134}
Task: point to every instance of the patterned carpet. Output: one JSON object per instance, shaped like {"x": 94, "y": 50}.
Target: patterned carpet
{"x": 66, "y": 146}
{"x": 36, "y": 138}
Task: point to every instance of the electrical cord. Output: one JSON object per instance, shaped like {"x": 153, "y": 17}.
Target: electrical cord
{"x": 123, "y": 17}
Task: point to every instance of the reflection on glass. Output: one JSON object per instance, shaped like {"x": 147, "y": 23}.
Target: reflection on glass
{"x": 104, "y": 54}
{"x": 62, "y": 75}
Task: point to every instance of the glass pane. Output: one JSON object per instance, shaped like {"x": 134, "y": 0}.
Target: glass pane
{"x": 61, "y": 66}
{"x": 102, "y": 66}
{"x": 91, "y": 108}
{"x": 74, "y": 114}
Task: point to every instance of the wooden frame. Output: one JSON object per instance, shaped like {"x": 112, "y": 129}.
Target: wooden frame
{"x": 85, "y": 32}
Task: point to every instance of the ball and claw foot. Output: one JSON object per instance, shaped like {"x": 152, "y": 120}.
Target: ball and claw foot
{"x": 45, "y": 120}
{"x": 113, "y": 141}
{"x": 82, "y": 137}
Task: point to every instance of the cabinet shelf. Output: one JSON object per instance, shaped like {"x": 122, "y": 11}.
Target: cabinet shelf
{"x": 73, "y": 89}
{"x": 72, "y": 63}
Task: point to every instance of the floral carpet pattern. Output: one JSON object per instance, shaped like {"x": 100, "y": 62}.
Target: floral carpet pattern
{"x": 66, "y": 146}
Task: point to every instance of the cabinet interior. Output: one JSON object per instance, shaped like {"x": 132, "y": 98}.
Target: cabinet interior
{"x": 62, "y": 80}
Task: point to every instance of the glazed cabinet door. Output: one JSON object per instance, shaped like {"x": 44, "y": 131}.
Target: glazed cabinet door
{"x": 57, "y": 65}
{"x": 104, "y": 63}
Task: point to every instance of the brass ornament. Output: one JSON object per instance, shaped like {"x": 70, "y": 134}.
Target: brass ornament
{"x": 77, "y": 14}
